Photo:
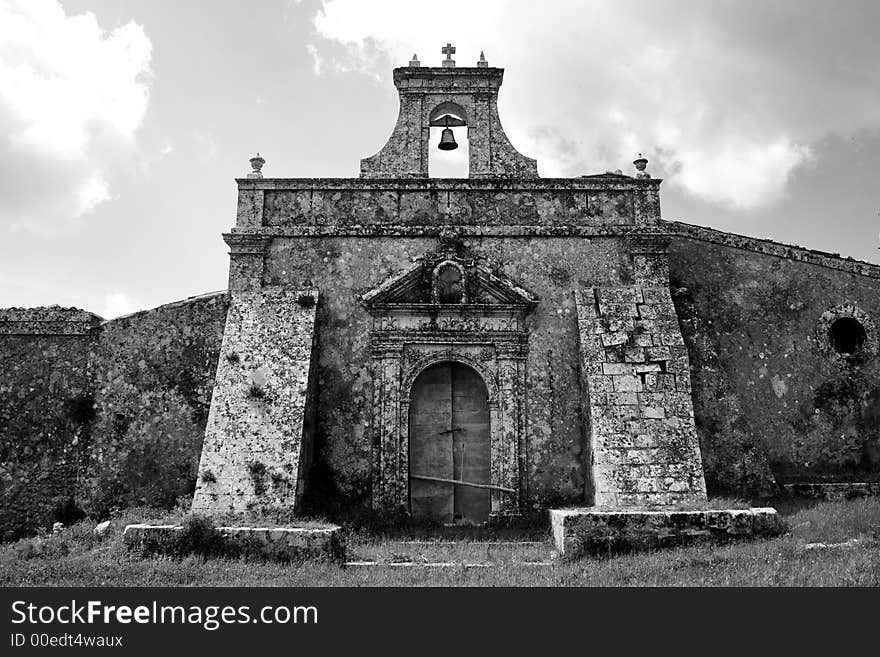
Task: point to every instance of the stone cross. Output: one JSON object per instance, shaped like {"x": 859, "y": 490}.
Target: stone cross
{"x": 449, "y": 51}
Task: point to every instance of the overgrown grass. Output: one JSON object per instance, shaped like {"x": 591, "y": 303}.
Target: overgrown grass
{"x": 835, "y": 522}
{"x": 76, "y": 556}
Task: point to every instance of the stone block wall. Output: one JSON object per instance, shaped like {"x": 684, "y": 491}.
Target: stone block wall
{"x": 774, "y": 403}
{"x": 634, "y": 365}
{"x": 46, "y": 411}
{"x": 100, "y": 414}
{"x": 257, "y": 445}
{"x": 152, "y": 375}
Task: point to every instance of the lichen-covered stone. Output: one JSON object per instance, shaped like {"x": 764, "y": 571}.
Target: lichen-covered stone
{"x": 774, "y": 404}
{"x": 643, "y": 443}
{"x": 277, "y": 543}
{"x": 346, "y": 268}
{"x": 46, "y": 410}
{"x": 152, "y": 374}
{"x": 97, "y": 414}
{"x": 585, "y": 531}
{"x": 342, "y": 205}
{"x": 257, "y": 446}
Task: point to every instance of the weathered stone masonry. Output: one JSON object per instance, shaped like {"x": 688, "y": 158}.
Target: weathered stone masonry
{"x": 644, "y": 445}
{"x": 257, "y": 443}
{"x": 348, "y": 237}
{"x": 102, "y": 413}
{"x": 427, "y": 95}
{"x": 45, "y": 412}
{"x": 775, "y": 404}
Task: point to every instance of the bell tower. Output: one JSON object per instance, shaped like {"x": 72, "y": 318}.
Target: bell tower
{"x": 448, "y": 96}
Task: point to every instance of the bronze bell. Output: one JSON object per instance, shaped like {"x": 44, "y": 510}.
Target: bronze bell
{"x": 447, "y": 140}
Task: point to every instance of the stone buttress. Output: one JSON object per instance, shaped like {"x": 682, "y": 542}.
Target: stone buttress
{"x": 644, "y": 447}
{"x": 257, "y": 445}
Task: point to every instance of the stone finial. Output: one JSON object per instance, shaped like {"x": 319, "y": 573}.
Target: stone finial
{"x": 641, "y": 163}
{"x": 414, "y": 62}
{"x": 482, "y": 63}
{"x": 449, "y": 51}
{"x": 257, "y": 163}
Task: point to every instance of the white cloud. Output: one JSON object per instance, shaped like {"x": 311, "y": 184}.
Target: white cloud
{"x": 317, "y": 61}
{"x": 117, "y": 304}
{"x": 72, "y": 96}
{"x": 748, "y": 173}
{"x": 206, "y": 144}
{"x": 724, "y": 101}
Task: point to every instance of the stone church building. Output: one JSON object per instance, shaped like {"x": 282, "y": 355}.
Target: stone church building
{"x": 466, "y": 348}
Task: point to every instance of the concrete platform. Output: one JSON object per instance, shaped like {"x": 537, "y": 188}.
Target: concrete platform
{"x": 277, "y": 543}
{"x": 581, "y": 531}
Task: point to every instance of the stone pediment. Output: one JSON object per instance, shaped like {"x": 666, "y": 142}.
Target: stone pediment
{"x": 446, "y": 282}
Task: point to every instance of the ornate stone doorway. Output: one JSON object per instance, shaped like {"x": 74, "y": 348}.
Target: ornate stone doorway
{"x": 449, "y": 445}
{"x": 449, "y": 311}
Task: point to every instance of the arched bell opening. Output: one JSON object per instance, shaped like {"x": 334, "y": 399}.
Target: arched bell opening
{"x": 449, "y": 148}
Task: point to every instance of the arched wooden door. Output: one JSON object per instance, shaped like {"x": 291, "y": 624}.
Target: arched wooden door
{"x": 449, "y": 445}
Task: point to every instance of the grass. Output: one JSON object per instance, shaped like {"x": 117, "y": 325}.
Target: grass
{"x": 76, "y": 556}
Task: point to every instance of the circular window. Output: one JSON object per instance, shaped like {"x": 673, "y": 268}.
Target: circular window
{"x": 847, "y": 335}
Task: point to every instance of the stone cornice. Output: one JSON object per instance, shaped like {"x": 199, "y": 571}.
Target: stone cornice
{"x": 499, "y": 183}
{"x": 249, "y": 243}
{"x": 459, "y": 79}
{"x": 769, "y": 247}
{"x": 381, "y": 340}
{"x": 436, "y": 230}
{"x": 447, "y": 309}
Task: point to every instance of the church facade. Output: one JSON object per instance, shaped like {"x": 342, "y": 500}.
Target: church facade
{"x": 470, "y": 348}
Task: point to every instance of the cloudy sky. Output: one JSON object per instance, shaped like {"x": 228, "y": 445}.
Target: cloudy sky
{"x": 124, "y": 122}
